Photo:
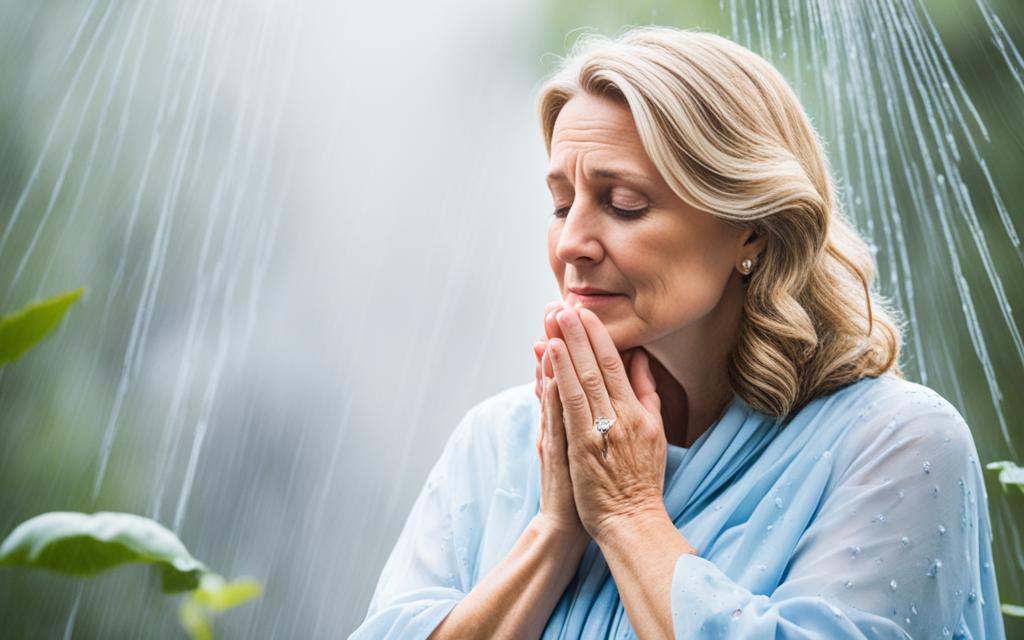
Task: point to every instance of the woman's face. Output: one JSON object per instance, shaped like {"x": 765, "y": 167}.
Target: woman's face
{"x": 619, "y": 227}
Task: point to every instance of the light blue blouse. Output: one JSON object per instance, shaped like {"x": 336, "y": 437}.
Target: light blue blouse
{"x": 865, "y": 516}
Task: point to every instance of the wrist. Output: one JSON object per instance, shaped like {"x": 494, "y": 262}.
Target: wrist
{"x": 574, "y": 538}
{"x": 628, "y": 529}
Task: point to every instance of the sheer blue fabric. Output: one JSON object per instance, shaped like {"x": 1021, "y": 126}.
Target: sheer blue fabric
{"x": 864, "y": 516}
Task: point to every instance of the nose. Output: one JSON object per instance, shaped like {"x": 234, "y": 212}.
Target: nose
{"x": 579, "y": 236}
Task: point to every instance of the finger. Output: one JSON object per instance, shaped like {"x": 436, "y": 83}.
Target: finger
{"x": 543, "y": 419}
{"x": 551, "y": 327}
{"x": 642, "y": 380}
{"x": 538, "y": 351}
{"x": 550, "y": 309}
{"x": 554, "y": 428}
{"x": 610, "y": 364}
{"x": 574, "y": 401}
{"x": 584, "y": 360}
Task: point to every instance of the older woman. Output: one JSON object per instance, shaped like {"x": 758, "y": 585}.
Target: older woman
{"x": 724, "y": 445}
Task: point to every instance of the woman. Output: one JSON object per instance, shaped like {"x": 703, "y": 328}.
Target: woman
{"x": 724, "y": 445}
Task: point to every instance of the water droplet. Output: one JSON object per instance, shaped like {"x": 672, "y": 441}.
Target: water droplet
{"x": 769, "y": 529}
{"x": 778, "y": 503}
{"x": 854, "y": 551}
{"x": 913, "y": 609}
{"x": 934, "y": 568}
{"x": 901, "y": 494}
{"x": 848, "y": 584}
{"x": 941, "y": 179}
{"x": 946, "y": 439}
{"x": 972, "y": 596}
{"x": 836, "y": 612}
{"x": 762, "y": 567}
{"x": 935, "y": 491}
{"x": 927, "y": 466}
{"x": 904, "y": 541}
{"x": 892, "y": 584}
{"x": 907, "y": 620}
{"x": 736, "y": 613}
{"x": 986, "y": 565}
{"x": 945, "y": 632}
{"x": 942, "y": 530}
{"x": 879, "y": 517}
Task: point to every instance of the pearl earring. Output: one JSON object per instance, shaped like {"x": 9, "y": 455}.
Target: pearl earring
{"x": 746, "y": 266}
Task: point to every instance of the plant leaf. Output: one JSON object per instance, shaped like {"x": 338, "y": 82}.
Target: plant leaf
{"x": 84, "y": 545}
{"x": 217, "y": 595}
{"x": 1014, "y": 610}
{"x": 1009, "y": 473}
{"x": 194, "y": 620}
{"x": 213, "y": 596}
{"x": 22, "y": 329}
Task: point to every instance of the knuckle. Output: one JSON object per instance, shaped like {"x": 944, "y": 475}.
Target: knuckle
{"x": 609, "y": 362}
{"x": 591, "y": 380}
{"x": 575, "y": 402}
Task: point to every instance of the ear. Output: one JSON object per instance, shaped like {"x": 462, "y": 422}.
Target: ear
{"x": 751, "y": 242}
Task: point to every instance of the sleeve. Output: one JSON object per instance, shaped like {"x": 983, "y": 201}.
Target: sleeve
{"x": 899, "y": 547}
{"x": 428, "y": 572}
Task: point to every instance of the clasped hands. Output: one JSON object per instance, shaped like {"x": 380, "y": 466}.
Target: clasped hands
{"x": 581, "y": 375}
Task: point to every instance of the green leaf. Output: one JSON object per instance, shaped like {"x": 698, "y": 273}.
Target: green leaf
{"x": 213, "y": 596}
{"x": 1009, "y": 473}
{"x": 217, "y": 595}
{"x": 84, "y": 545}
{"x": 1014, "y": 610}
{"x": 22, "y": 329}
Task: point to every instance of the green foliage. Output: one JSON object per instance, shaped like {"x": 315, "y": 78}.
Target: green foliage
{"x": 1009, "y": 473}
{"x": 213, "y": 596}
{"x": 22, "y": 329}
{"x": 83, "y": 544}
{"x": 1014, "y": 610}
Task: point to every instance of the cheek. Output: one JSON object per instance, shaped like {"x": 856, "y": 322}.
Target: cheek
{"x": 683, "y": 280}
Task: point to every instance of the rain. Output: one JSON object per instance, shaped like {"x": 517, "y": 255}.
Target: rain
{"x": 313, "y": 234}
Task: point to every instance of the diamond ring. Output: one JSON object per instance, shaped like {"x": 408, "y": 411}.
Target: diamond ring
{"x": 602, "y": 425}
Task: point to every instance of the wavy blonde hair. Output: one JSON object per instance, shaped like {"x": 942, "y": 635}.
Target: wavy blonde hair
{"x": 730, "y": 137}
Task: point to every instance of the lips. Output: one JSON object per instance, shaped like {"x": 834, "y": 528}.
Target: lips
{"x": 591, "y": 291}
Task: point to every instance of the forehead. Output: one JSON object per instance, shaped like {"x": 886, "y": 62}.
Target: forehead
{"x": 599, "y": 133}
{"x": 593, "y": 120}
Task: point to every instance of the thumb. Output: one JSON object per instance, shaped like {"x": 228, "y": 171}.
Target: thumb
{"x": 642, "y": 381}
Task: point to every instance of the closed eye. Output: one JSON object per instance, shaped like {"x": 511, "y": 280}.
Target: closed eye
{"x": 627, "y": 214}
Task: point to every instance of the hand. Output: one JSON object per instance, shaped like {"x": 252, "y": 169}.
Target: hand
{"x": 552, "y": 330}
{"x": 592, "y": 380}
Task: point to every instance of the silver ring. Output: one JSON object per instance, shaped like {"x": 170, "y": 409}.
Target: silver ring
{"x": 602, "y": 425}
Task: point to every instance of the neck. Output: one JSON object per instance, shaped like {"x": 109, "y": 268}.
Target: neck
{"x": 690, "y": 372}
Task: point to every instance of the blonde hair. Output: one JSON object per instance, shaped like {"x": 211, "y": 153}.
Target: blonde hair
{"x": 730, "y": 137}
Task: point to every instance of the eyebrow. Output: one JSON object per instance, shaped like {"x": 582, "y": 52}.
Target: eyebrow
{"x": 610, "y": 174}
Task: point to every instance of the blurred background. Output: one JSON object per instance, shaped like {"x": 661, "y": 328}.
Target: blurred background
{"x": 312, "y": 235}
